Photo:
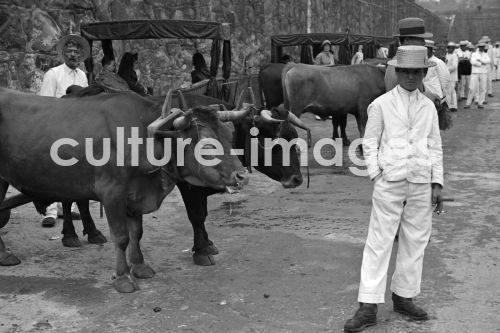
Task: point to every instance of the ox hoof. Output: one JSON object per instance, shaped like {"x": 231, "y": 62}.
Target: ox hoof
{"x": 97, "y": 238}
{"x": 8, "y": 259}
{"x": 125, "y": 284}
{"x": 71, "y": 241}
{"x": 202, "y": 259}
{"x": 142, "y": 271}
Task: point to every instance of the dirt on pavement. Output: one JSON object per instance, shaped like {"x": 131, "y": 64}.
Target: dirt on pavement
{"x": 289, "y": 259}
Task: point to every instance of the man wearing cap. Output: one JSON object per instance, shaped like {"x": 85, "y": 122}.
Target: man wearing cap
{"x": 72, "y": 49}
{"x": 464, "y": 69}
{"x": 325, "y": 57}
{"x": 452, "y": 64}
{"x": 404, "y": 159}
{"x": 478, "y": 83}
{"x": 437, "y": 80}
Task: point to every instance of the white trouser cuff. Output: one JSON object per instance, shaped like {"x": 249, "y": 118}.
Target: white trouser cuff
{"x": 371, "y": 298}
{"x": 406, "y": 293}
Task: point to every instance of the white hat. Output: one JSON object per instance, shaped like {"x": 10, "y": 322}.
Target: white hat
{"x": 451, "y": 44}
{"x": 326, "y": 41}
{"x": 411, "y": 56}
{"x": 463, "y": 43}
{"x": 429, "y": 43}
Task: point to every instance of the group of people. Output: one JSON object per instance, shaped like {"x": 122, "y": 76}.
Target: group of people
{"x": 327, "y": 58}
{"x": 473, "y": 68}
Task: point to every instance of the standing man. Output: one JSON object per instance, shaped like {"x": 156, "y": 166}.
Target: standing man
{"x": 411, "y": 173}
{"x": 437, "y": 80}
{"x": 478, "y": 83}
{"x": 497, "y": 61}
{"x": 72, "y": 49}
{"x": 464, "y": 69}
{"x": 452, "y": 64}
{"x": 491, "y": 68}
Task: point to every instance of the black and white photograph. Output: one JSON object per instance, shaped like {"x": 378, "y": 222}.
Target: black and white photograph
{"x": 250, "y": 166}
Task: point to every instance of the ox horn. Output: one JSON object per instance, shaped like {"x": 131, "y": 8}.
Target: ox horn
{"x": 182, "y": 101}
{"x": 223, "y": 107}
{"x": 296, "y": 121}
{"x": 167, "y": 105}
{"x": 268, "y": 118}
{"x": 232, "y": 115}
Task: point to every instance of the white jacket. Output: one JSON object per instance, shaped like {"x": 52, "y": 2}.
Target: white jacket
{"x": 438, "y": 79}
{"x": 452, "y": 64}
{"x": 402, "y": 139}
{"x": 480, "y": 62}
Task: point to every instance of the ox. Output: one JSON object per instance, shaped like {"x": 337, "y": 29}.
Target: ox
{"x": 335, "y": 91}
{"x": 126, "y": 189}
{"x": 325, "y": 91}
{"x": 274, "y": 124}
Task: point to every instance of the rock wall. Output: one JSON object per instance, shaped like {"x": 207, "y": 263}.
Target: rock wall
{"x": 29, "y": 30}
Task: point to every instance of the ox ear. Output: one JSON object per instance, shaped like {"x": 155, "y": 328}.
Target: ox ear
{"x": 167, "y": 105}
{"x": 164, "y": 124}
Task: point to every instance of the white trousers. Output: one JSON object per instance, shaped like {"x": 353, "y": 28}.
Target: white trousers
{"x": 463, "y": 88}
{"x": 490, "y": 80}
{"x": 388, "y": 212}
{"x": 498, "y": 69}
{"x": 452, "y": 96}
{"x": 56, "y": 208}
{"x": 477, "y": 88}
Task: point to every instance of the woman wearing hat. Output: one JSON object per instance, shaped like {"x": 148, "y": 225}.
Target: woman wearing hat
{"x": 325, "y": 57}
{"x": 404, "y": 159}
{"x": 72, "y": 49}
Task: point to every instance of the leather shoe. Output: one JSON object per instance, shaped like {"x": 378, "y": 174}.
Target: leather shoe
{"x": 48, "y": 222}
{"x": 406, "y": 307}
{"x": 365, "y": 316}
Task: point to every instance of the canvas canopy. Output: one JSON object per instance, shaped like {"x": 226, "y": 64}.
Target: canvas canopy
{"x": 311, "y": 45}
{"x": 106, "y": 32}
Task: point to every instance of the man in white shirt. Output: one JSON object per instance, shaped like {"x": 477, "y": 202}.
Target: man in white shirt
{"x": 480, "y": 63}
{"x": 72, "y": 49}
{"x": 437, "y": 80}
{"x": 452, "y": 64}
{"x": 491, "y": 67}
{"x": 464, "y": 69}
{"x": 497, "y": 61}
{"x": 404, "y": 158}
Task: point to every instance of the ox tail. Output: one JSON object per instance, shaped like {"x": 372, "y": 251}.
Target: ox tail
{"x": 286, "y": 101}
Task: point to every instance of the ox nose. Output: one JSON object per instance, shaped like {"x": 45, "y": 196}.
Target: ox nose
{"x": 240, "y": 178}
{"x": 292, "y": 182}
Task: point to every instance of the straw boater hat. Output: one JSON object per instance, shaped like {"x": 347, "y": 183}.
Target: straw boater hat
{"x": 497, "y": 43}
{"x": 411, "y": 56}
{"x": 326, "y": 41}
{"x": 412, "y": 27}
{"x": 75, "y": 39}
{"x": 463, "y": 43}
{"x": 429, "y": 43}
{"x": 486, "y": 39}
{"x": 451, "y": 44}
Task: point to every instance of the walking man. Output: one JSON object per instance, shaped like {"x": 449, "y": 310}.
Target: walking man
{"x": 72, "y": 49}
{"x": 478, "y": 82}
{"x": 411, "y": 172}
{"x": 497, "y": 61}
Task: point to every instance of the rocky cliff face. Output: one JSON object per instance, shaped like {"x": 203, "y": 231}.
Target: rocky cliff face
{"x": 29, "y": 30}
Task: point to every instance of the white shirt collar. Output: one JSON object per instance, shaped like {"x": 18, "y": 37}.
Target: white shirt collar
{"x": 405, "y": 92}
{"x": 68, "y": 70}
